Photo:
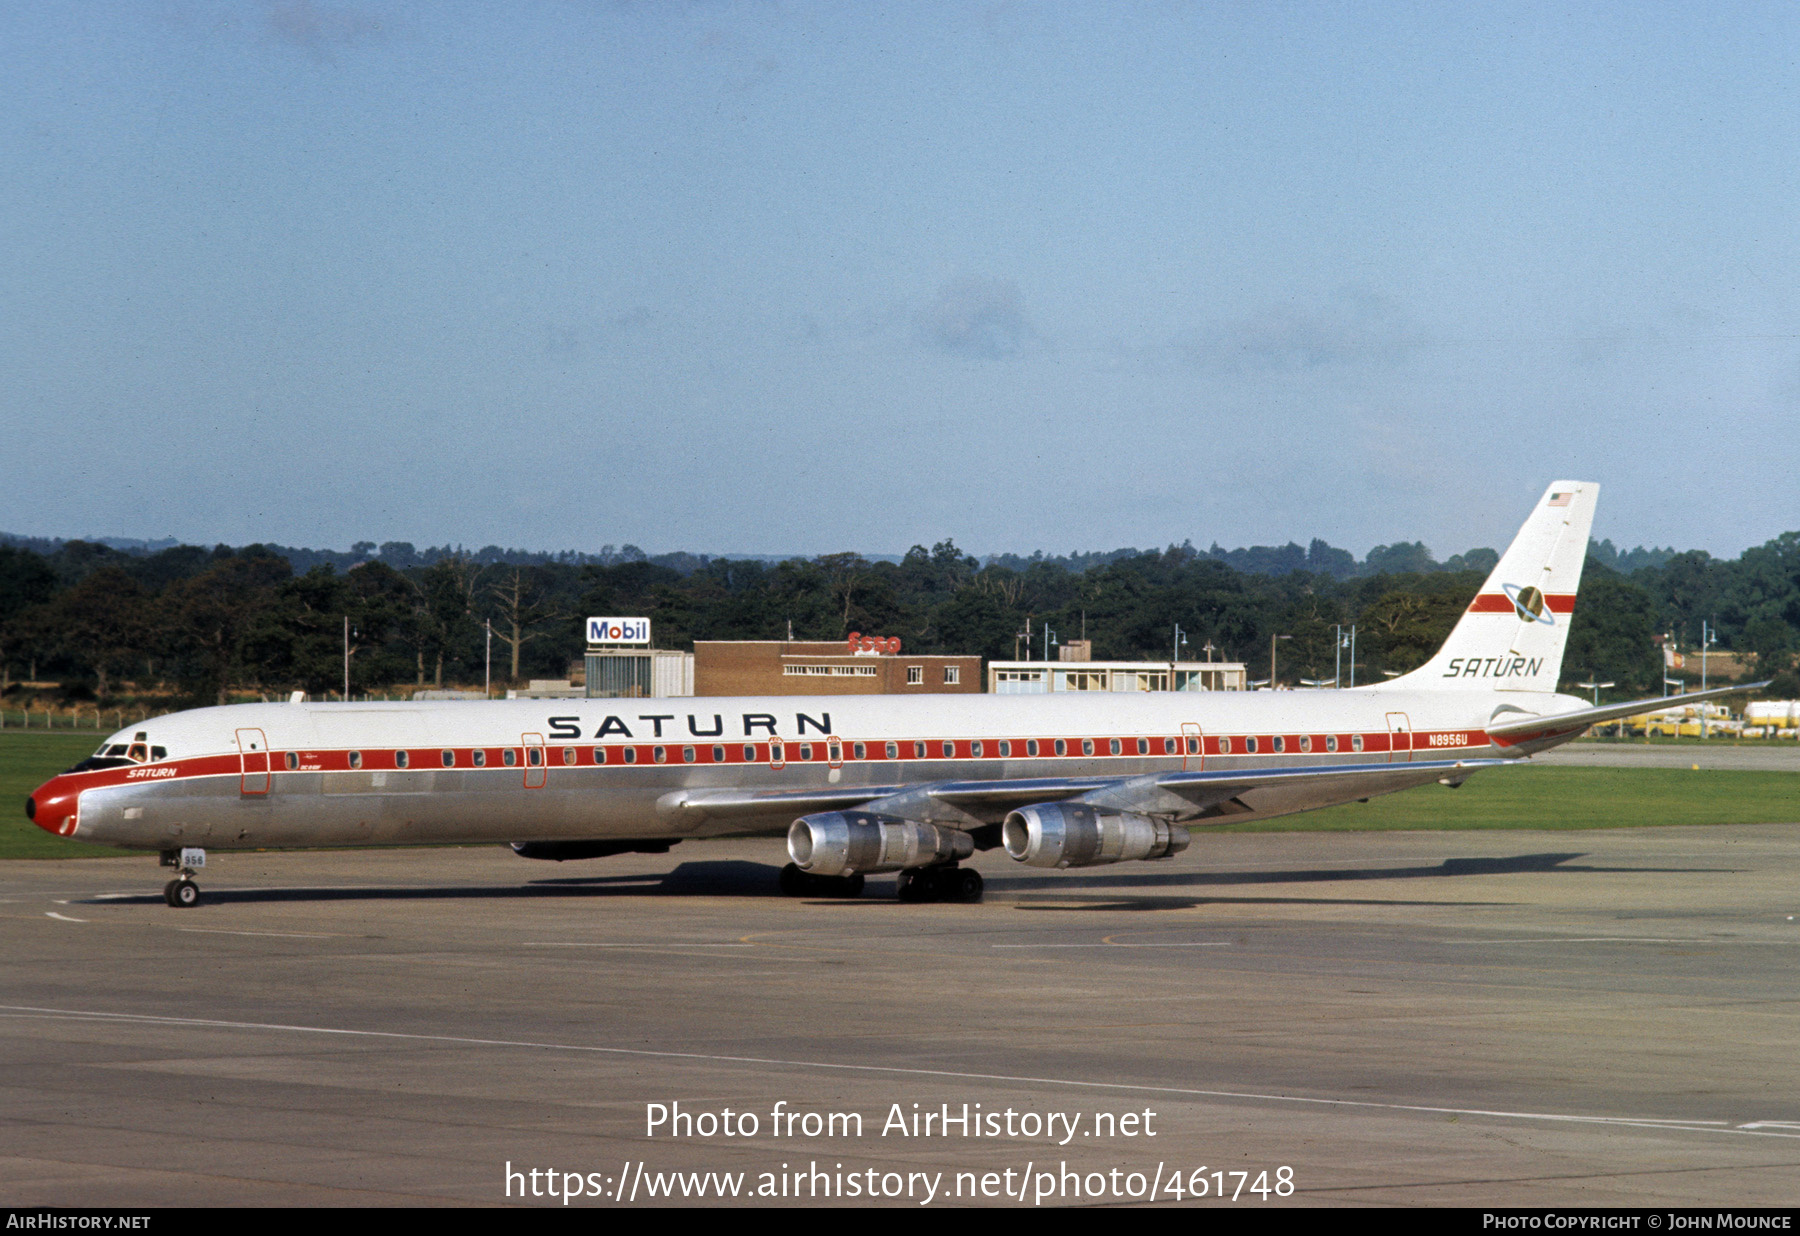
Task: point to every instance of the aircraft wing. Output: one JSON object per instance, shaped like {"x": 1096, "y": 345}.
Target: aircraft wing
{"x": 1177, "y": 795}
{"x": 1563, "y": 722}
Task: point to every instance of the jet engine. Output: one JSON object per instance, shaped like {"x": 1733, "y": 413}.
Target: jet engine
{"x": 1079, "y": 835}
{"x": 835, "y": 843}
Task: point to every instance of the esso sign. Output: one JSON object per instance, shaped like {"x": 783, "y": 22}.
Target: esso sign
{"x": 618, "y": 630}
{"x": 871, "y": 643}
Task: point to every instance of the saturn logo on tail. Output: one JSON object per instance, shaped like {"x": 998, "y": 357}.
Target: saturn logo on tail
{"x": 1529, "y": 604}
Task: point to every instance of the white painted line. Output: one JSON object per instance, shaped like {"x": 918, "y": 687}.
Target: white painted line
{"x": 1659, "y": 1123}
{"x": 656, "y": 949}
{"x": 1110, "y": 944}
{"x": 1617, "y": 940}
{"x": 64, "y": 917}
{"x": 285, "y": 935}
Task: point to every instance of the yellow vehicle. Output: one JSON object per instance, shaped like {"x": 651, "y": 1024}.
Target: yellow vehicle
{"x": 1685, "y": 721}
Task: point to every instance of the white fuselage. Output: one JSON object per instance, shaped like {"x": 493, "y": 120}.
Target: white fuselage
{"x": 270, "y": 775}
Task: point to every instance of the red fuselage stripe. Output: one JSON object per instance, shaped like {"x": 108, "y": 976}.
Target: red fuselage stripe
{"x": 820, "y": 751}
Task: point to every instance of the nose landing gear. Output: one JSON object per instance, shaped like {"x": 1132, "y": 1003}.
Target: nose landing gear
{"x": 181, "y": 892}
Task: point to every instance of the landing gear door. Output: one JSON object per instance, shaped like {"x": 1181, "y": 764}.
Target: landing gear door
{"x": 253, "y": 762}
{"x": 537, "y": 772}
{"x": 1399, "y": 738}
{"x": 1193, "y": 747}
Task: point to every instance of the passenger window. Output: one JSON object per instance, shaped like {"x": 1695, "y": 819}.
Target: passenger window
{"x": 510, "y": 756}
{"x": 449, "y": 759}
{"x": 718, "y": 755}
{"x": 687, "y": 755}
{"x": 356, "y": 759}
{"x": 400, "y": 759}
{"x": 293, "y": 760}
{"x": 480, "y": 758}
{"x": 893, "y": 751}
{"x": 1331, "y": 742}
{"x": 568, "y": 755}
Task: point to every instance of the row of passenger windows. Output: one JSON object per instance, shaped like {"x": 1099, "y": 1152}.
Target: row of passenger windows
{"x": 1004, "y": 748}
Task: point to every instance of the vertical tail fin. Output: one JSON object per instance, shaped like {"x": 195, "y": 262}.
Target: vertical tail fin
{"x": 1512, "y": 636}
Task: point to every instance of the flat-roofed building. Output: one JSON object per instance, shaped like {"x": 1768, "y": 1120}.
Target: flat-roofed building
{"x": 1043, "y": 677}
{"x": 819, "y": 667}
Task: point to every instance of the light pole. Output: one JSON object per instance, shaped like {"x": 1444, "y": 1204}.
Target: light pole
{"x": 1272, "y": 639}
{"x": 1346, "y": 638}
{"x": 487, "y": 669}
{"x": 1709, "y": 635}
{"x": 1596, "y": 689}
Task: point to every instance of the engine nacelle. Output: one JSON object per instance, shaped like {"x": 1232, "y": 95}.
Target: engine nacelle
{"x": 1078, "y": 835}
{"x": 835, "y": 843}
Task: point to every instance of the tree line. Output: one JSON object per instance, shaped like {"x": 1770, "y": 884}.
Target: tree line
{"x": 202, "y": 624}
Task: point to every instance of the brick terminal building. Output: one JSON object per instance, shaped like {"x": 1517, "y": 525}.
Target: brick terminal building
{"x": 818, "y": 667}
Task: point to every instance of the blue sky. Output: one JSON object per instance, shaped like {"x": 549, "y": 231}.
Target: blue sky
{"x": 803, "y": 278}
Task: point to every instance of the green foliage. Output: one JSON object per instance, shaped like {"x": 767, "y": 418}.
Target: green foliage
{"x": 208, "y": 620}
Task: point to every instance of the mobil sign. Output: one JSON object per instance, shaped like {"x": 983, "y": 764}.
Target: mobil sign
{"x": 618, "y": 631}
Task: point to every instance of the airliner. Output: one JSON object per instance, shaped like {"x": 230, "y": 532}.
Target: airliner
{"x": 860, "y": 784}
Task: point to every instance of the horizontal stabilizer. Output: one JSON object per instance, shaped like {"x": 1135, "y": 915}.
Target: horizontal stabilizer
{"x": 1581, "y": 718}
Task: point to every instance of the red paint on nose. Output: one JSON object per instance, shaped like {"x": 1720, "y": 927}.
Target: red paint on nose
{"x": 53, "y": 806}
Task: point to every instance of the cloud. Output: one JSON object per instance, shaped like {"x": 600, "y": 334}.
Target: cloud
{"x": 976, "y": 317}
{"x": 318, "y": 29}
{"x": 1351, "y": 327}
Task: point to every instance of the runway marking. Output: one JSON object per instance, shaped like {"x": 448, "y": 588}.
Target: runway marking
{"x": 1115, "y": 944}
{"x": 64, "y": 917}
{"x": 1781, "y": 1129}
{"x": 1620, "y": 940}
{"x": 656, "y": 949}
{"x": 284, "y": 935}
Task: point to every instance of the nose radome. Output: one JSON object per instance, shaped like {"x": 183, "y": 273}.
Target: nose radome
{"x": 52, "y": 808}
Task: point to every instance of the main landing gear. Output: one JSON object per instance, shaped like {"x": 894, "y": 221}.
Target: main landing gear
{"x": 917, "y": 884}
{"x": 798, "y": 883}
{"x": 947, "y": 883}
{"x": 181, "y": 892}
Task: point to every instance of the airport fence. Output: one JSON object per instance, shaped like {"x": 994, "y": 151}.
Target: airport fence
{"x": 72, "y": 718}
